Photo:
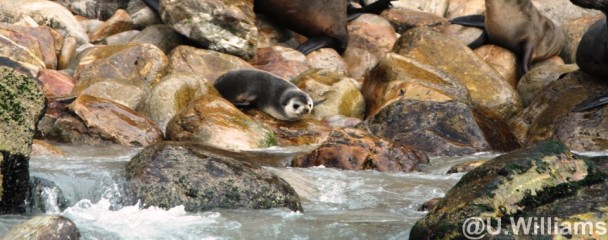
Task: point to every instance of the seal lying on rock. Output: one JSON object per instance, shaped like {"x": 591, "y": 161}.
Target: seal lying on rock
{"x": 265, "y": 91}
{"x": 518, "y": 26}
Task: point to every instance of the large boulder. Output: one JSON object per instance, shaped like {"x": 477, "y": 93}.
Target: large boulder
{"x": 513, "y": 185}
{"x": 170, "y": 174}
{"x": 42, "y": 41}
{"x": 435, "y": 128}
{"x": 222, "y": 25}
{"x": 22, "y": 104}
{"x": 52, "y": 227}
{"x": 94, "y": 9}
{"x": 206, "y": 64}
{"x": 355, "y": 149}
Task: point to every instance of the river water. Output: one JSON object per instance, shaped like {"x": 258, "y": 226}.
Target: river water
{"x": 337, "y": 204}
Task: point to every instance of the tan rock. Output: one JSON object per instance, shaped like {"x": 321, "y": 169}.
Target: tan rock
{"x": 38, "y": 40}
{"x": 404, "y": 19}
{"x": 574, "y": 31}
{"x": 214, "y": 121}
{"x": 44, "y": 148}
{"x": 119, "y": 22}
{"x": 458, "y": 8}
{"x": 204, "y": 63}
{"x": 437, "y": 7}
{"x": 117, "y": 122}
{"x": 306, "y": 131}
{"x": 68, "y": 51}
{"x": 466, "y": 166}
{"x": 451, "y": 56}
{"x": 535, "y": 81}
{"x": 502, "y": 60}
{"x": 44, "y": 227}
{"x": 284, "y": 62}
{"x": 56, "y": 84}
{"x": 327, "y": 58}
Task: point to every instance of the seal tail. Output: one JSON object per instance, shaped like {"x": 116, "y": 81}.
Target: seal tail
{"x": 154, "y": 4}
{"x": 477, "y": 21}
{"x": 601, "y": 5}
{"x": 594, "y": 101}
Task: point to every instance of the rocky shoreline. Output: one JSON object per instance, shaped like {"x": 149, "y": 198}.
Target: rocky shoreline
{"x": 407, "y": 88}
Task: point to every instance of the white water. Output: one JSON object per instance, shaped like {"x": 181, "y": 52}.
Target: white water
{"x": 337, "y": 204}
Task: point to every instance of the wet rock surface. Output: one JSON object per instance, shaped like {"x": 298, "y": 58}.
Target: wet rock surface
{"x": 52, "y": 227}
{"x": 171, "y": 174}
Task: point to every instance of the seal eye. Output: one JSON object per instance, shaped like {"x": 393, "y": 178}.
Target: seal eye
{"x": 296, "y": 106}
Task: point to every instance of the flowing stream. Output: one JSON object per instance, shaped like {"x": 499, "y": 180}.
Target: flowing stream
{"x": 337, "y": 204}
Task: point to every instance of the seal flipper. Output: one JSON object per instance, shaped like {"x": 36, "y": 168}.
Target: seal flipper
{"x": 154, "y": 4}
{"x": 594, "y": 101}
{"x": 376, "y": 8}
{"x": 315, "y": 43}
{"x": 478, "y": 21}
{"x": 526, "y": 54}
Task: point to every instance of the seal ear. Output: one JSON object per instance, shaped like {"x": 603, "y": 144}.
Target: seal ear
{"x": 315, "y": 103}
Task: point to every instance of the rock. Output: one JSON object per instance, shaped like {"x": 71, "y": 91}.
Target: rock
{"x": 327, "y": 58}
{"x": 68, "y": 51}
{"x": 209, "y": 65}
{"x": 170, "y": 174}
{"x": 30, "y": 59}
{"x": 466, "y": 166}
{"x": 116, "y": 122}
{"x": 306, "y": 131}
{"x": 44, "y": 148}
{"x": 340, "y": 121}
{"x": 173, "y": 94}
{"x": 46, "y": 13}
{"x": 269, "y": 34}
{"x": 41, "y": 41}
{"x": 398, "y": 77}
{"x": 458, "y": 8}
{"x": 449, "y": 130}
{"x": 354, "y": 149}
{"x": 562, "y": 11}
{"x": 120, "y": 38}
{"x": 584, "y": 131}
{"x": 496, "y": 130}
{"x": 510, "y": 185}
{"x": 437, "y": 7}
{"x": 161, "y": 36}
{"x": 574, "y": 31}
{"x": 120, "y": 22}
{"x": 404, "y": 19}
{"x": 45, "y": 197}
{"x": 448, "y": 54}
{"x": 470, "y": 36}
{"x": 142, "y": 15}
{"x": 121, "y": 73}
{"x": 502, "y": 60}
{"x": 370, "y": 38}
{"x": 214, "y": 121}
{"x": 48, "y": 227}
{"x": 341, "y": 94}
{"x": 21, "y": 106}
{"x": 66, "y": 127}
{"x": 56, "y": 84}
{"x": 222, "y": 25}
{"x": 429, "y": 205}
{"x": 539, "y": 120}
{"x": 536, "y": 81}
{"x": 284, "y": 62}
{"x": 94, "y": 9}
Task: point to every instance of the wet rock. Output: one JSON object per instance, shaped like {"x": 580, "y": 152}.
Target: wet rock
{"x": 327, "y": 58}
{"x": 458, "y": 8}
{"x": 173, "y": 94}
{"x": 370, "y": 38}
{"x": 355, "y": 149}
{"x": 119, "y": 22}
{"x": 39, "y": 40}
{"x": 30, "y": 60}
{"x": 94, "y": 9}
{"x": 470, "y": 36}
{"x": 341, "y": 94}
{"x": 539, "y": 121}
{"x": 214, "y": 121}
{"x": 161, "y": 36}
{"x": 204, "y": 63}
{"x": 574, "y": 31}
{"x": 68, "y": 51}
{"x": 510, "y": 185}
{"x": 21, "y": 106}
{"x": 46, "y": 13}
{"x": 284, "y": 62}
{"x": 437, "y": 7}
{"x": 116, "y": 122}
{"x": 496, "y": 130}
{"x": 448, "y": 54}
{"x": 269, "y": 34}
{"x": 51, "y": 227}
{"x": 306, "y": 131}
{"x": 121, "y": 73}
{"x": 340, "y": 121}
{"x": 429, "y": 205}
{"x": 120, "y": 38}
{"x": 536, "y": 81}
{"x": 56, "y": 84}
{"x": 170, "y": 174}
{"x": 398, "y": 77}
{"x": 502, "y": 60}
{"x": 45, "y": 197}
{"x": 466, "y": 166}
{"x": 435, "y": 128}
{"x": 404, "y": 19}
{"x": 222, "y": 25}
{"x": 44, "y": 148}
{"x": 142, "y": 15}
{"x": 67, "y": 127}
{"x": 584, "y": 131}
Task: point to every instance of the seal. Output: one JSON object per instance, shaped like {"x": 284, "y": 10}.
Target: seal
{"x": 520, "y": 27}
{"x": 322, "y": 22}
{"x": 592, "y": 53}
{"x": 265, "y": 91}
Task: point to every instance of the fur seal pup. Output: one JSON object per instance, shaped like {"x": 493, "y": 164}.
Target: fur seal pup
{"x": 520, "y": 27}
{"x": 265, "y": 91}
{"x": 592, "y": 52}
